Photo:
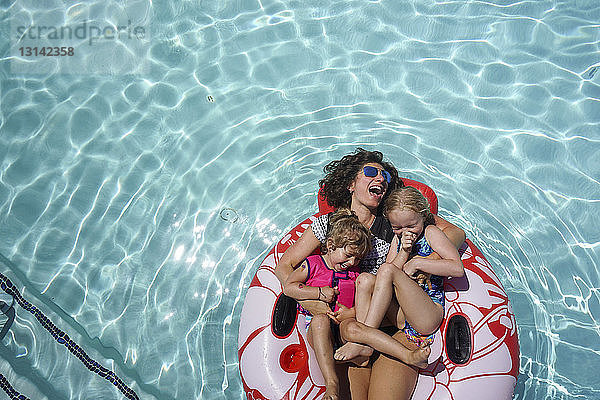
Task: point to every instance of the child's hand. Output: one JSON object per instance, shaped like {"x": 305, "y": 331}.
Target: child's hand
{"x": 328, "y": 294}
{"x": 341, "y": 314}
{"x": 410, "y": 267}
{"x": 407, "y": 240}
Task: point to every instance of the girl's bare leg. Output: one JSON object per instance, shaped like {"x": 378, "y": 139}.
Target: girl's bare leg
{"x": 366, "y": 286}
{"x": 392, "y": 379}
{"x": 417, "y": 307}
{"x": 382, "y": 295}
{"x": 356, "y": 352}
{"x": 362, "y": 299}
{"x": 354, "y": 331}
{"x": 321, "y": 340}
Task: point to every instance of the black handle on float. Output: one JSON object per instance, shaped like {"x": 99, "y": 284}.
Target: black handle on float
{"x": 458, "y": 340}
{"x": 284, "y": 316}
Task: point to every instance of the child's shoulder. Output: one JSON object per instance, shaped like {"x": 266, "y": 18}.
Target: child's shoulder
{"x": 432, "y": 232}
{"x": 313, "y": 258}
{"x": 432, "y": 229}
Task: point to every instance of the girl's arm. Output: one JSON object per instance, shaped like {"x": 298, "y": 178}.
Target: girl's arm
{"x": 342, "y": 313}
{"x": 402, "y": 251}
{"x": 453, "y": 233}
{"x": 393, "y": 252}
{"x": 295, "y": 254}
{"x": 449, "y": 264}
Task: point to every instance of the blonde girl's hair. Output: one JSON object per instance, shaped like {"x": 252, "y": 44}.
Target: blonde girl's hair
{"x": 409, "y": 198}
{"x": 345, "y": 230}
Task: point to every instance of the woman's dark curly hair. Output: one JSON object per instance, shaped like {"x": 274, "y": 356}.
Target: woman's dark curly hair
{"x": 340, "y": 173}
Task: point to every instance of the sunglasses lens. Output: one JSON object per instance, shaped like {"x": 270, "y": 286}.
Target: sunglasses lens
{"x": 387, "y": 176}
{"x": 370, "y": 171}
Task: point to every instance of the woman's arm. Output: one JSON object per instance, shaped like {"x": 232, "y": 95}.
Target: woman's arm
{"x": 295, "y": 254}
{"x": 453, "y": 233}
{"x": 295, "y": 288}
{"x": 449, "y": 264}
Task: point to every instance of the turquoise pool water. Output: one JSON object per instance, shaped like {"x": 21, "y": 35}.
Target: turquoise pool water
{"x": 144, "y": 177}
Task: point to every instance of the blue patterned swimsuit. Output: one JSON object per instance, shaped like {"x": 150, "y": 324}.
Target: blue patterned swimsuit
{"x": 436, "y": 292}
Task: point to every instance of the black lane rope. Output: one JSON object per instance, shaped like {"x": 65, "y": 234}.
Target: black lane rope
{"x": 10, "y": 391}
{"x": 64, "y": 339}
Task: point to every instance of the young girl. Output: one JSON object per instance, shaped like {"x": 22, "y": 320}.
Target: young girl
{"x": 416, "y": 281}
{"x": 330, "y": 277}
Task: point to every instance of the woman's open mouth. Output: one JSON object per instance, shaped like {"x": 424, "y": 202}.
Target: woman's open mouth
{"x": 376, "y": 190}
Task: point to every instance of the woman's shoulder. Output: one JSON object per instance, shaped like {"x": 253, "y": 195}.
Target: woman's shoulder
{"x": 382, "y": 229}
{"x": 320, "y": 225}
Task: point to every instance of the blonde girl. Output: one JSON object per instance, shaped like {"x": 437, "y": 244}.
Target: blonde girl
{"x": 416, "y": 281}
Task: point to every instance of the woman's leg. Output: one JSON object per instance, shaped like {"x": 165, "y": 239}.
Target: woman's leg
{"x": 417, "y": 307}
{"x": 320, "y": 338}
{"x": 341, "y": 369}
{"x": 392, "y": 379}
{"x": 359, "y": 382}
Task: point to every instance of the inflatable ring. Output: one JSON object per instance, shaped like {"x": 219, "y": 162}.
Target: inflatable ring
{"x": 475, "y": 350}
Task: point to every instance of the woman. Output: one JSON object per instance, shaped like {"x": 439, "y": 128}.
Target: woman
{"x": 361, "y": 181}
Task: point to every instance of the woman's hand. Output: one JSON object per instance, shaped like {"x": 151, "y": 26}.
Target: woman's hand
{"x": 315, "y": 307}
{"x": 411, "y": 269}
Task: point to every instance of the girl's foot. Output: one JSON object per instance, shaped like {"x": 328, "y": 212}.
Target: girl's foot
{"x": 351, "y": 351}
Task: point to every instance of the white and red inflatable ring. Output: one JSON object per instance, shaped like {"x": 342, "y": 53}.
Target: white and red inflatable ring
{"x": 475, "y": 351}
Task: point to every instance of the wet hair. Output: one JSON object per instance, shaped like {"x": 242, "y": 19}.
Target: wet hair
{"x": 409, "y": 198}
{"x": 339, "y": 175}
{"x": 345, "y": 230}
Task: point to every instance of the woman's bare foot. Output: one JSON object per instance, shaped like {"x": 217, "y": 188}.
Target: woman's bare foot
{"x": 354, "y": 352}
{"x": 331, "y": 392}
{"x": 419, "y": 356}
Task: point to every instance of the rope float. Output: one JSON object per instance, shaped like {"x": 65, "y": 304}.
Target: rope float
{"x": 62, "y": 338}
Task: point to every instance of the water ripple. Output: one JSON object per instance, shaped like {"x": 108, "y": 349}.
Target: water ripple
{"x": 141, "y": 201}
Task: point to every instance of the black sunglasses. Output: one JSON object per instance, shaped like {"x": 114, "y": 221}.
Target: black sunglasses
{"x": 371, "y": 172}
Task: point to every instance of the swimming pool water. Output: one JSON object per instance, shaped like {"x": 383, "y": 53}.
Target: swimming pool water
{"x": 143, "y": 179}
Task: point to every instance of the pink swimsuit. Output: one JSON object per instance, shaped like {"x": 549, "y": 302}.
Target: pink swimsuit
{"x": 319, "y": 275}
